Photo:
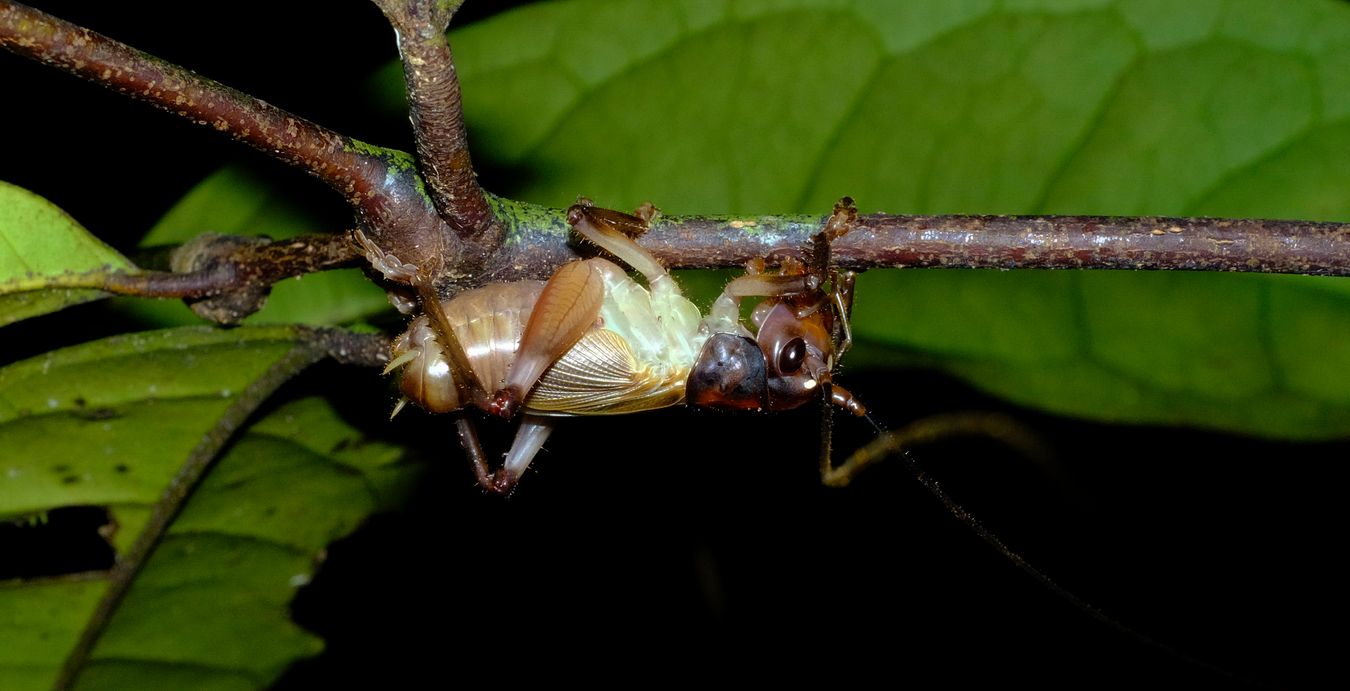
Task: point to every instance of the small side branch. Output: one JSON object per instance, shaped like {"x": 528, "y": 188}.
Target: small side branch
{"x": 226, "y": 278}
{"x": 437, "y": 117}
{"x": 248, "y": 267}
{"x": 223, "y": 278}
{"x": 350, "y": 348}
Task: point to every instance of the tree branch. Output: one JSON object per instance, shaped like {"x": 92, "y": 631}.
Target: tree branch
{"x": 537, "y": 242}
{"x": 434, "y": 101}
{"x": 223, "y": 278}
{"x": 1096, "y": 242}
{"x": 247, "y": 268}
{"x": 79, "y": 51}
{"x": 404, "y": 236}
{"x": 382, "y": 185}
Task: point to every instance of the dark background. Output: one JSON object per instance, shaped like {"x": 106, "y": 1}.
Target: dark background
{"x": 680, "y": 544}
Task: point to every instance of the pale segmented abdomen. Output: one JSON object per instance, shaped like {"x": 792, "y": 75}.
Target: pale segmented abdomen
{"x": 488, "y": 322}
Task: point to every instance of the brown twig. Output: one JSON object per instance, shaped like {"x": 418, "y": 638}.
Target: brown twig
{"x": 214, "y": 264}
{"x": 382, "y": 185}
{"x": 1062, "y": 242}
{"x": 404, "y": 229}
{"x": 538, "y": 243}
{"x": 249, "y": 266}
{"x": 434, "y": 104}
{"x": 224, "y": 278}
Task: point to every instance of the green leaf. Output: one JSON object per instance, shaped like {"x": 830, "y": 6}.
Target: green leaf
{"x": 230, "y": 201}
{"x": 107, "y": 424}
{"x": 236, "y": 201}
{"x": 1122, "y": 107}
{"x": 255, "y": 531}
{"x": 41, "y": 248}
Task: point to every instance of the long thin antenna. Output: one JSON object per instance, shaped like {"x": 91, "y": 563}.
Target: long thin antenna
{"x": 964, "y": 516}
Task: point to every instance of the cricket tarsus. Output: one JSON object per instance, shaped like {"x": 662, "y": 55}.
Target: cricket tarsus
{"x": 473, "y": 450}
{"x": 505, "y": 403}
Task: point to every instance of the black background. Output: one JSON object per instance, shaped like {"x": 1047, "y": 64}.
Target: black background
{"x": 689, "y": 545}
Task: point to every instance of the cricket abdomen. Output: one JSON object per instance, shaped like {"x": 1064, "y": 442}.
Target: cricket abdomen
{"x": 488, "y": 322}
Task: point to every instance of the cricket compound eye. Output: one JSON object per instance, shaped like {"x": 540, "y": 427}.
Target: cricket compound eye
{"x": 792, "y": 356}
{"x": 797, "y": 350}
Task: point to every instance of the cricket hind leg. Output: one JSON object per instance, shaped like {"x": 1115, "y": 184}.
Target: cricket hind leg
{"x": 533, "y": 431}
{"x": 571, "y": 300}
{"x": 566, "y": 309}
{"x": 473, "y": 450}
{"x": 530, "y": 437}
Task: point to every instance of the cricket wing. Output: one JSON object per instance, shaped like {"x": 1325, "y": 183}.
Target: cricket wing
{"x": 601, "y": 376}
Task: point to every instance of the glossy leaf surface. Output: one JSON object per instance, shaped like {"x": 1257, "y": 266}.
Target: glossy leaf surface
{"x": 106, "y": 424}
{"x": 41, "y": 246}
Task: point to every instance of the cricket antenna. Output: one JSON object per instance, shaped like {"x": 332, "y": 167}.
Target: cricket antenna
{"x": 896, "y": 443}
{"x": 876, "y": 426}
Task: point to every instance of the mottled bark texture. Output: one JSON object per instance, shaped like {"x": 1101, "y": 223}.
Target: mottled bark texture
{"x": 428, "y": 221}
{"x": 434, "y": 104}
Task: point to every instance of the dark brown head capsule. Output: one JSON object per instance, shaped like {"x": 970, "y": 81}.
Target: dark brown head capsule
{"x": 779, "y": 370}
{"x": 728, "y": 375}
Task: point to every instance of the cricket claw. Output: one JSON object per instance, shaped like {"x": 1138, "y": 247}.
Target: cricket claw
{"x": 503, "y": 481}
{"x": 505, "y": 403}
